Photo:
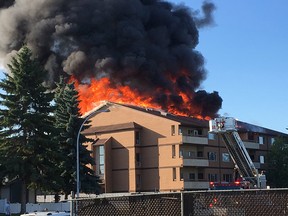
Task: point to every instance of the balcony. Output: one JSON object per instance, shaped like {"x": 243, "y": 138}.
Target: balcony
{"x": 197, "y": 162}
{"x": 195, "y": 140}
{"x": 190, "y": 185}
{"x": 251, "y": 145}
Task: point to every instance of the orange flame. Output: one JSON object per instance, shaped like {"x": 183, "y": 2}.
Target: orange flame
{"x": 99, "y": 90}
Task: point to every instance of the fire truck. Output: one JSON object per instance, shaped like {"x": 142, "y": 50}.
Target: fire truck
{"x": 226, "y": 127}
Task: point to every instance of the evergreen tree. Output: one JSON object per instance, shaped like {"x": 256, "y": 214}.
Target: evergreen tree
{"x": 277, "y": 158}
{"x": 68, "y": 122}
{"x": 26, "y": 149}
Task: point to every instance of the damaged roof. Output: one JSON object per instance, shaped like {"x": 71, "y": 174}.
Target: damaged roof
{"x": 183, "y": 120}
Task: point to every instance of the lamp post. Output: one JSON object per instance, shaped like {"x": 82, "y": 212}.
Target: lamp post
{"x": 78, "y": 151}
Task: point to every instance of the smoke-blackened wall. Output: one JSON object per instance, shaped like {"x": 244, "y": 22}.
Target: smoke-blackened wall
{"x": 148, "y": 45}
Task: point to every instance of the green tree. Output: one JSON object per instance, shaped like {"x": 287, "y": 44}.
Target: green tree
{"x": 68, "y": 122}
{"x": 277, "y": 158}
{"x": 26, "y": 149}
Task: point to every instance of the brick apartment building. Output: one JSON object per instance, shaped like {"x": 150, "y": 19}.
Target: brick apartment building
{"x": 138, "y": 149}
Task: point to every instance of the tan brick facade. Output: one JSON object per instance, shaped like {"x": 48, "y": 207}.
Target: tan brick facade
{"x": 149, "y": 150}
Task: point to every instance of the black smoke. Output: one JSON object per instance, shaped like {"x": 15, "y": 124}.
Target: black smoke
{"x": 148, "y": 45}
{"x": 6, "y": 3}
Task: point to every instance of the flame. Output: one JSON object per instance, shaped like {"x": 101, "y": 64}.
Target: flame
{"x": 102, "y": 90}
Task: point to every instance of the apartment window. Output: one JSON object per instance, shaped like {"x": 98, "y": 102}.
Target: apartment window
{"x": 200, "y": 176}
{"x": 211, "y": 136}
{"x": 174, "y": 174}
{"x": 138, "y": 159}
{"x": 212, "y": 156}
{"x": 272, "y": 140}
{"x": 191, "y": 154}
{"x": 180, "y": 153}
{"x": 173, "y": 130}
{"x": 101, "y": 162}
{"x": 137, "y": 137}
{"x": 199, "y": 132}
{"x": 261, "y": 140}
{"x": 191, "y": 176}
{"x": 179, "y": 131}
{"x": 213, "y": 177}
{"x": 181, "y": 174}
{"x": 262, "y": 159}
{"x": 200, "y": 154}
{"x": 227, "y": 177}
{"x": 194, "y": 132}
{"x": 173, "y": 151}
{"x": 225, "y": 157}
{"x": 250, "y": 136}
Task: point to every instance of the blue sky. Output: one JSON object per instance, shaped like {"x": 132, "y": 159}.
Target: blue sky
{"x": 246, "y": 55}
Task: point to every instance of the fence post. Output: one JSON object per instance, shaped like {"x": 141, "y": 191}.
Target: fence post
{"x": 72, "y": 204}
{"x": 182, "y": 203}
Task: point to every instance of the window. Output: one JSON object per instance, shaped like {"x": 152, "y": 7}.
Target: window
{"x": 191, "y": 154}
{"x": 137, "y": 137}
{"x": 194, "y": 132}
{"x": 225, "y": 157}
{"x": 250, "y": 136}
{"x": 173, "y": 151}
{"x": 211, "y": 136}
{"x": 180, "y": 153}
{"x": 179, "y": 131}
{"x": 138, "y": 160}
{"x": 200, "y": 176}
{"x": 181, "y": 174}
{"x": 261, "y": 140}
{"x": 212, "y": 156}
{"x": 173, "y": 130}
{"x": 101, "y": 162}
{"x": 190, "y": 132}
{"x": 200, "y": 154}
{"x": 174, "y": 174}
{"x": 262, "y": 159}
{"x": 272, "y": 140}
{"x": 199, "y": 132}
{"x": 213, "y": 177}
{"x": 191, "y": 176}
{"x": 227, "y": 177}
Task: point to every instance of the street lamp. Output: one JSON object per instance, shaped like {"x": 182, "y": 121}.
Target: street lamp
{"x": 78, "y": 152}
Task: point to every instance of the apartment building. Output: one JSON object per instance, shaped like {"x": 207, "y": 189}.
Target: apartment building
{"x": 138, "y": 149}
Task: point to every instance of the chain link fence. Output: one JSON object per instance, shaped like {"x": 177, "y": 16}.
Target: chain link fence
{"x": 235, "y": 203}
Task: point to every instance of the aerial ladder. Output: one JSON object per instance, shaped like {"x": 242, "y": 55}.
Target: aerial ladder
{"x": 226, "y": 127}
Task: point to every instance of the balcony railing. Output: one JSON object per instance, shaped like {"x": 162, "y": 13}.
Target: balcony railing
{"x": 251, "y": 145}
{"x": 189, "y": 185}
{"x": 195, "y": 140}
{"x": 199, "y": 162}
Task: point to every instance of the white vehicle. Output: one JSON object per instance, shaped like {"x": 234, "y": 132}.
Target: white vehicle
{"x": 45, "y": 213}
{"x": 226, "y": 127}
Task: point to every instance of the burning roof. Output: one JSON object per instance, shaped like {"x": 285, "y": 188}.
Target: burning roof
{"x": 130, "y": 51}
{"x": 184, "y": 120}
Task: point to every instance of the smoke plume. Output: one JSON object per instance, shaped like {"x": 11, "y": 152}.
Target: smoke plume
{"x": 148, "y": 45}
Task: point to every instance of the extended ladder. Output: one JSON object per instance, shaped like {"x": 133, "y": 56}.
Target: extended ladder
{"x": 240, "y": 156}
{"x": 226, "y": 127}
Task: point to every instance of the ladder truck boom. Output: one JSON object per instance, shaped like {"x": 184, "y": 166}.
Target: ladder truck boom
{"x": 226, "y": 127}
